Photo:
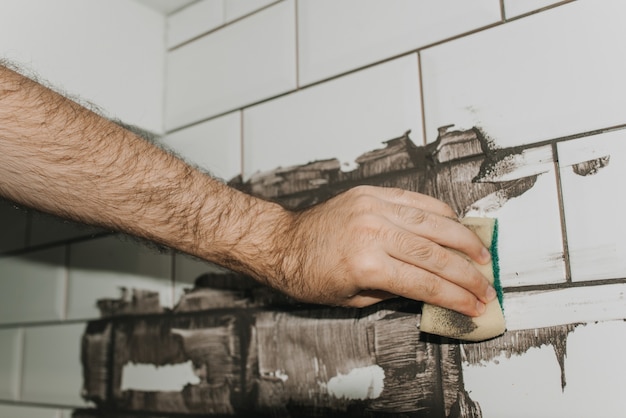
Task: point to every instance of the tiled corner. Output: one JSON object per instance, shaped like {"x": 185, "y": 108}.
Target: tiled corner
{"x": 214, "y": 145}
{"x": 530, "y": 384}
{"x": 47, "y": 229}
{"x": 525, "y": 81}
{"x": 341, "y": 119}
{"x": 19, "y": 411}
{"x": 52, "y": 371}
{"x": 194, "y": 20}
{"x": 32, "y": 286}
{"x": 248, "y": 61}
{"x": 530, "y": 240}
{"x": 100, "y": 268}
{"x": 592, "y": 177}
{"x": 13, "y": 222}
{"x": 234, "y": 9}
{"x": 335, "y": 37}
{"x": 10, "y": 363}
{"x": 514, "y": 8}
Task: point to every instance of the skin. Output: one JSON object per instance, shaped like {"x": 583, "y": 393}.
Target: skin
{"x": 363, "y": 246}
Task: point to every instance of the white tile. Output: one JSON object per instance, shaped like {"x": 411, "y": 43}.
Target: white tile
{"x": 106, "y": 52}
{"x": 214, "y": 146}
{"x": 593, "y": 205}
{"x": 47, "y": 229}
{"x": 194, "y": 20}
{"x": 19, "y": 411}
{"x": 513, "y": 8}
{"x": 238, "y": 8}
{"x": 99, "y": 268}
{"x": 530, "y": 241}
{"x": 13, "y": 223}
{"x": 339, "y": 119}
{"x": 52, "y": 364}
{"x": 334, "y": 37}
{"x": 525, "y": 81}
{"x": 529, "y": 384}
{"x": 242, "y": 63}
{"x": 32, "y": 286}
{"x": 10, "y": 362}
{"x": 539, "y": 309}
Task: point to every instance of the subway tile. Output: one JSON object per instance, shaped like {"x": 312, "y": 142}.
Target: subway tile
{"x": 13, "y": 223}
{"x": 234, "y": 9}
{"x": 335, "y": 37}
{"x": 24, "y": 411}
{"x": 101, "y": 268}
{"x": 592, "y": 175}
{"x": 530, "y": 241}
{"x": 242, "y": 63}
{"x": 10, "y": 362}
{"x": 52, "y": 372}
{"x": 214, "y": 145}
{"x": 532, "y": 383}
{"x": 32, "y": 286}
{"x": 339, "y": 119}
{"x": 194, "y": 20}
{"x": 525, "y": 81}
{"x": 513, "y": 8}
{"x": 47, "y": 229}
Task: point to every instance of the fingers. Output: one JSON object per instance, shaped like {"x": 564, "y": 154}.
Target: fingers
{"x": 442, "y": 230}
{"x": 412, "y": 282}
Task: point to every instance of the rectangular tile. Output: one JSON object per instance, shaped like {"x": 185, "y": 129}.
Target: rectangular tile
{"x": 52, "y": 368}
{"x": 537, "y": 383}
{"x": 13, "y": 222}
{"x": 32, "y": 286}
{"x": 242, "y": 63}
{"x": 339, "y": 119}
{"x": 10, "y": 362}
{"x": 592, "y": 176}
{"x": 524, "y": 82}
{"x": 46, "y": 229}
{"x": 214, "y": 145}
{"x": 234, "y": 9}
{"x": 24, "y": 411}
{"x": 514, "y": 8}
{"x": 530, "y": 241}
{"x": 99, "y": 269}
{"x": 194, "y": 20}
{"x": 528, "y": 310}
{"x": 335, "y": 37}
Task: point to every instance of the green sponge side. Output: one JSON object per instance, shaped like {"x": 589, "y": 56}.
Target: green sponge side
{"x": 495, "y": 265}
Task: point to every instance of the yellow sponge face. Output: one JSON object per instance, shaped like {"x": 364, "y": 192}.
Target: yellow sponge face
{"x": 449, "y": 323}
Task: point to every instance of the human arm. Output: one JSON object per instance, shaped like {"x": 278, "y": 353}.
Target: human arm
{"x": 358, "y": 248}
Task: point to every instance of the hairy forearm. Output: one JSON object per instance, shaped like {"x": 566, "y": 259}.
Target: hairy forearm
{"x": 61, "y": 158}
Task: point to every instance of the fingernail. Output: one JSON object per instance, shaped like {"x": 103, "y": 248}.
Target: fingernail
{"x": 480, "y": 308}
{"x": 486, "y": 255}
{"x": 491, "y": 294}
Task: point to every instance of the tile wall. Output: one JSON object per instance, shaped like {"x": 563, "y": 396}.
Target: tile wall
{"x": 255, "y": 85}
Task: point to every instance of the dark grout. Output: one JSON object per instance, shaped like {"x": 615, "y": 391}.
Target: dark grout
{"x": 561, "y": 202}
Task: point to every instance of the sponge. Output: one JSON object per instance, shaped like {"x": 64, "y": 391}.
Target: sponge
{"x": 449, "y": 323}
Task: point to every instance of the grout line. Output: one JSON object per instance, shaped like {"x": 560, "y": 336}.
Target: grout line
{"x": 297, "y": 27}
{"x": 164, "y": 73}
{"x": 182, "y": 8}
{"x": 50, "y": 323}
{"x": 543, "y": 9}
{"x": 563, "y": 285}
{"x": 220, "y": 27}
{"x": 423, "y": 108}
{"x": 20, "y": 373}
{"x": 173, "y": 278}
{"x": 502, "y": 11}
{"x": 561, "y": 202}
{"x": 66, "y": 284}
{"x": 242, "y": 160}
{"x": 49, "y": 245}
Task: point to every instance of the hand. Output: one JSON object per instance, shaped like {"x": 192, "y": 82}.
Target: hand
{"x": 370, "y": 244}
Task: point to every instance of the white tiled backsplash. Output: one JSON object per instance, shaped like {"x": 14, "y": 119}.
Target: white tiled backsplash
{"x": 254, "y": 85}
